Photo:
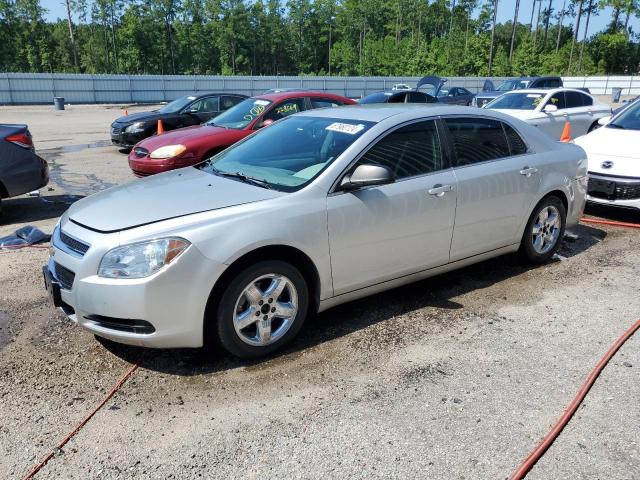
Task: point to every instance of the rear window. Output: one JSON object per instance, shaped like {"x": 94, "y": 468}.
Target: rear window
{"x": 477, "y": 140}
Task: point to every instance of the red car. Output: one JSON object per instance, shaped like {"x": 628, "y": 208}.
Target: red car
{"x": 191, "y": 145}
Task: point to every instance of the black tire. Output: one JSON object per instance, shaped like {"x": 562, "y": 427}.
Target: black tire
{"x": 527, "y": 249}
{"x": 225, "y": 312}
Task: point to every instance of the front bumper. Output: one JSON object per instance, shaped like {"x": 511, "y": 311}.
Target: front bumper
{"x": 121, "y": 138}
{"x": 165, "y": 310}
{"x": 614, "y": 191}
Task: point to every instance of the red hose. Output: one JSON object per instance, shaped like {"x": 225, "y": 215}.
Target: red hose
{"x": 546, "y": 442}
{"x": 71, "y": 434}
{"x": 609, "y": 222}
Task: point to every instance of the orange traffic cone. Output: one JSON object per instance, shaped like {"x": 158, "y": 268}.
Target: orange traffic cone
{"x": 160, "y": 127}
{"x": 126, "y": 112}
{"x": 566, "y": 132}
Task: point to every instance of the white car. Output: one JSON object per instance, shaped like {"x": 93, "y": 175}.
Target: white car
{"x": 614, "y": 160}
{"x": 550, "y": 109}
{"x": 403, "y": 87}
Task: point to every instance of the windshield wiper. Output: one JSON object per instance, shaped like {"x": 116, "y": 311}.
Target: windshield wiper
{"x": 211, "y": 124}
{"x": 615, "y": 125}
{"x": 243, "y": 178}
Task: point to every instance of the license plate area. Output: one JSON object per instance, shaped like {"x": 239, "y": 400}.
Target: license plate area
{"x": 52, "y": 287}
{"x": 603, "y": 187}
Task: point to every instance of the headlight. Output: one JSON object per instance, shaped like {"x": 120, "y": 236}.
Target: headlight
{"x": 139, "y": 260}
{"x": 168, "y": 152}
{"x": 135, "y": 127}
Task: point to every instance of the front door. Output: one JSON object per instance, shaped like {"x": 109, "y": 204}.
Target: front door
{"x": 384, "y": 232}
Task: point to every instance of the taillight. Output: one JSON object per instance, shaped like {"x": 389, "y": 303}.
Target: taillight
{"x": 23, "y": 140}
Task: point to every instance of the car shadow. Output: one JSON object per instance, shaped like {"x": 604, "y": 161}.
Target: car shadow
{"x": 344, "y": 319}
{"x": 31, "y": 209}
{"x": 629, "y": 215}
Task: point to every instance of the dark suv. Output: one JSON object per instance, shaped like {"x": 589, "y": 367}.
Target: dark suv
{"x": 520, "y": 83}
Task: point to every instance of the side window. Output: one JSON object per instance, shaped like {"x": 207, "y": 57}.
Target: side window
{"x": 195, "y": 106}
{"x": 416, "y": 97}
{"x": 227, "y": 102}
{"x": 587, "y": 101}
{"x": 477, "y": 139}
{"x": 209, "y": 104}
{"x": 516, "y": 144}
{"x": 553, "y": 83}
{"x": 408, "y": 151}
{"x": 574, "y": 99}
{"x": 284, "y": 109}
{"x": 557, "y": 99}
{"x": 324, "y": 103}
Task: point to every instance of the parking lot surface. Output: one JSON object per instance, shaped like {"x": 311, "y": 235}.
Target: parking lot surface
{"x": 458, "y": 376}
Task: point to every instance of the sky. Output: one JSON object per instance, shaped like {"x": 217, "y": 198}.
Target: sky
{"x": 56, "y": 9}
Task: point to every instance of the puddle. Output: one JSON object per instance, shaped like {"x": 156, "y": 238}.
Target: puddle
{"x": 5, "y": 332}
{"x": 74, "y": 184}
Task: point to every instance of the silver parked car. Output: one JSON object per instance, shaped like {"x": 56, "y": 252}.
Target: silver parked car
{"x": 315, "y": 210}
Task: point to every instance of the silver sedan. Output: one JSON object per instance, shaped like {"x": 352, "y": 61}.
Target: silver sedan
{"x": 315, "y": 210}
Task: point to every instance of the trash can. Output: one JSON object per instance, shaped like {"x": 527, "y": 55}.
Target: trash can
{"x": 615, "y": 94}
{"x": 59, "y": 103}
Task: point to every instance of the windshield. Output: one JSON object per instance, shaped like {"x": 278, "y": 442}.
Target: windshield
{"x": 241, "y": 115}
{"x": 516, "y": 101}
{"x": 509, "y": 85}
{"x": 629, "y": 119}
{"x": 443, "y": 92}
{"x": 177, "y": 105}
{"x": 290, "y": 153}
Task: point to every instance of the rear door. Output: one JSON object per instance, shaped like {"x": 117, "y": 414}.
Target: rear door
{"x": 579, "y": 110}
{"x": 497, "y": 180}
{"x": 553, "y": 122}
{"x": 384, "y": 232}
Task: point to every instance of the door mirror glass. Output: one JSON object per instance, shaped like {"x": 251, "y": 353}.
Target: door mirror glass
{"x": 366, "y": 176}
{"x": 604, "y": 120}
{"x": 550, "y": 108}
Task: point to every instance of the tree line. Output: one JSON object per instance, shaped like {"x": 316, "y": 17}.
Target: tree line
{"x": 319, "y": 37}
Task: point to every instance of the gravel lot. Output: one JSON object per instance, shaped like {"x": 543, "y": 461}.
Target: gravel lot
{"x": 455, "y": 377}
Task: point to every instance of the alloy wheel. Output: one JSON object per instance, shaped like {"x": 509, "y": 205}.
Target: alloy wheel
{"x": 546, "y": 229}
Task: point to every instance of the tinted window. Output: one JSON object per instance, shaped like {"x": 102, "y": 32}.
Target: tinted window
{"x": 409, "y": 151}
{"x": 463, "y": 91}
{"x": 587, "y": 101}
{"x": 380, "y": 97}
{"x": 418, "y": 97}
{"x": 553, "y": 83}
{"x": 516, "y": 144}
{"x": 284, "y": 109}
{"x": 209, "y": 104}
{"x": 324, "y": 103}
{"x": 557, "y": 100}
{"x": 477, "y": 139}
{"x": 227, "y": 102}
{"x": 574, "y": 99}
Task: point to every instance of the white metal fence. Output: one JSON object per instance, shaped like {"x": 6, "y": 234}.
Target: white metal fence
{"x": 39, "y": 88}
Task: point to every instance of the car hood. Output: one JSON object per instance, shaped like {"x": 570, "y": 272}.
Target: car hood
{"x": 160, "y": 197}
{"x": 138, "y": 117}
{"x": 184, "y": 136}
{"x": 619, "y": 147}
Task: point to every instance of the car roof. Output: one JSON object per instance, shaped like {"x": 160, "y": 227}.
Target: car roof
{"x": 377, "y": 112}
{"x": 206, "y": 94}
{"x": 546, "y": 91}
{"x": 276, "y": 96}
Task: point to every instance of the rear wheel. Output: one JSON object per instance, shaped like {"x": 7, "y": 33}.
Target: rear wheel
{"x": 262, "y": 309}
{"x": 544, "y": 230}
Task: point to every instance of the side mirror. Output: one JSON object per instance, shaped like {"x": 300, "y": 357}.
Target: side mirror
{"x": 550, "y": 108}
{"x": 604, "y": 120}
{"x": 366, "y": 176}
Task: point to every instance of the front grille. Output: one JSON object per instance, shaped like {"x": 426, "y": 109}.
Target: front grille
{"x": 139, "y": 173}
{"x": 72, "y": 244}
{"x": 122, "y": 324}
{"x": 610, "y": 189}
{"x": 116, "y": 130}
{"x": 140, "y": 152}
{"x": 64, "y": 276}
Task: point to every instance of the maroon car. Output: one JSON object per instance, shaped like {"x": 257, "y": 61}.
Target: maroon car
{"x": 188, "y": 146}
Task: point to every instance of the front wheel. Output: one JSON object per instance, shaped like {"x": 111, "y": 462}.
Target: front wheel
{"x": 544, "y": 230}
{"x": 262, "y": 309}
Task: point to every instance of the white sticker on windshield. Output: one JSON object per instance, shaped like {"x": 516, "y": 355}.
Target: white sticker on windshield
{"x": 261, "y": 102}
{"x": 533, "y": 95}
{"x": 345, "y": 128}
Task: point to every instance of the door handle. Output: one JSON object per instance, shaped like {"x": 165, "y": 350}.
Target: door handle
{"x": 528, "y": 171}
{"x": 439, "y": 190}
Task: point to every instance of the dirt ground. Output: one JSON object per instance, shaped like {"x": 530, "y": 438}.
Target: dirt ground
{"x": 455, "y": 377}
